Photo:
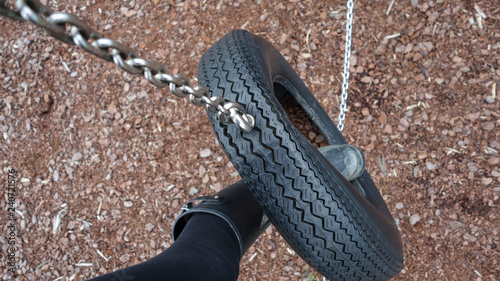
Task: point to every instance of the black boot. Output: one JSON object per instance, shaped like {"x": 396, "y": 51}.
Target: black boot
{"x": 347, "y": 159}
{"x": 236, "y": 205}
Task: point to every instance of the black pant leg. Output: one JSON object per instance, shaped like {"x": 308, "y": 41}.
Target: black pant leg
{"x": 207, "y": 249}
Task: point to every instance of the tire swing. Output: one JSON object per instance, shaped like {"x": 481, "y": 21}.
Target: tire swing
{"x": 342, "y": 229}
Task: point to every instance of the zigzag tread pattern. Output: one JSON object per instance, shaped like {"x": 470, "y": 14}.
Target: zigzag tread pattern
{"x": 352, "y": 254}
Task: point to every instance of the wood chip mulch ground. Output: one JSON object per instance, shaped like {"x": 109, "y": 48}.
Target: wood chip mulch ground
{"x": 104, "y": 160}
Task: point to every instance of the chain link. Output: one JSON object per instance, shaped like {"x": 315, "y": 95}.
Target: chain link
{"x": 6, "y": 12}
{"x": 70, "y": 29}
{"x": 347, "y": 63}
{"x": 347, "y": 57}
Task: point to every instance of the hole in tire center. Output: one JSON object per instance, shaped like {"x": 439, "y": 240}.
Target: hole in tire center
{"x": 299, "y": 117}
{"x": 301, "y": 120}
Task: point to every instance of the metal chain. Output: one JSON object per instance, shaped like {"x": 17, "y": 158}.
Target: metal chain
{"x": 347, "y": 63}
{"x": 122, "y": 55}
{"x": 6, "y": 12}
{"x": 80, "y": 34}
{"x": 347, "y": 57}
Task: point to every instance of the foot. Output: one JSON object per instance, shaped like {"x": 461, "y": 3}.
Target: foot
{"x": 347, "y": 159}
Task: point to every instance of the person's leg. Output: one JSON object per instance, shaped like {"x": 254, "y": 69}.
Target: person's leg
{"x": 210, "y": 239}
{"x": 207, "y": 249}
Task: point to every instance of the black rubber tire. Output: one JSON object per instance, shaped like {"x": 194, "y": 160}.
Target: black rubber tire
{"x": 343, "y": 233}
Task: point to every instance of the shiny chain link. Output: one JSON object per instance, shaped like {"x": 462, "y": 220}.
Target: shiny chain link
{"x": 347, "y": 63}
{"x": 347, "y": 57}
{"x": 6, "y": 12}
{"x": 72, "y": 30}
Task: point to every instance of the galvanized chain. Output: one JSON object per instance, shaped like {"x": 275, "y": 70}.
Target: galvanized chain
{"x": 8, "y": 12}
{"x": 80, "y": 34}
{"x": 347, "y": 64}
{"x": 347, "y": 57}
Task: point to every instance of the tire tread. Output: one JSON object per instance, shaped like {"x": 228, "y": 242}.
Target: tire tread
{"x": 293, "y": 190}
